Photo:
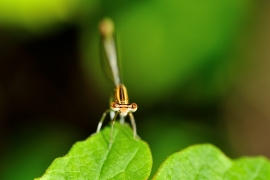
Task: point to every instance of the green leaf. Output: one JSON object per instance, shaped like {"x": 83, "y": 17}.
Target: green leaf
{"x": 127, "y": 158}
{"x": 195, "y": 162}
{"x": 208, "y": 162}
{"x": 249, "y": 169}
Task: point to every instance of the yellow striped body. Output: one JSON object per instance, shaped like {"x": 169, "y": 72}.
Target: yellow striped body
{"x": 121, "y": 103}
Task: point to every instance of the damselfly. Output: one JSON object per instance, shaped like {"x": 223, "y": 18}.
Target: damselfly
{"x": 120, "y": 104}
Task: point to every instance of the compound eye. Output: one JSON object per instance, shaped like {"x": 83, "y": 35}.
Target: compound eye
{"x": 133, "y": 107}
{"x": 115, "y": 106}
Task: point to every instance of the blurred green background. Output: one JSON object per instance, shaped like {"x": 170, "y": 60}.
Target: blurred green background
{"x": 198, "y": 70}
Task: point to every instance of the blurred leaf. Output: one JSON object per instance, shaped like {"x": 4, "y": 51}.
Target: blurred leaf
{"x": 128, "y": 158}
{"x": 166, "y": 43}
{"x": 40, "y": 16}
{"x": 208, "y": 162}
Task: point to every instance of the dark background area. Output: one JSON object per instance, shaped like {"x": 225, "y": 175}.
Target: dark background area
{"x": 199, "y": 72}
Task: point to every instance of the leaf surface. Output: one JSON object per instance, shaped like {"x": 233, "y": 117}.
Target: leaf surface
{"x": 249, "y": 169}
{"x": 127, "y": 158}
{"x": 195, "y": 162}
{"x": 203, "y": 162}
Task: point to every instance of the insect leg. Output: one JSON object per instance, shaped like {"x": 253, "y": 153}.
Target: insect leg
{"x": 132, "y": 120}
{"x": 102, "y": 119}
{"x": 113, "y": 120}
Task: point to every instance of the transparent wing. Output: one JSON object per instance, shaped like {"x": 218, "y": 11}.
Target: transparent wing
{"x": 109, "y": 51}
